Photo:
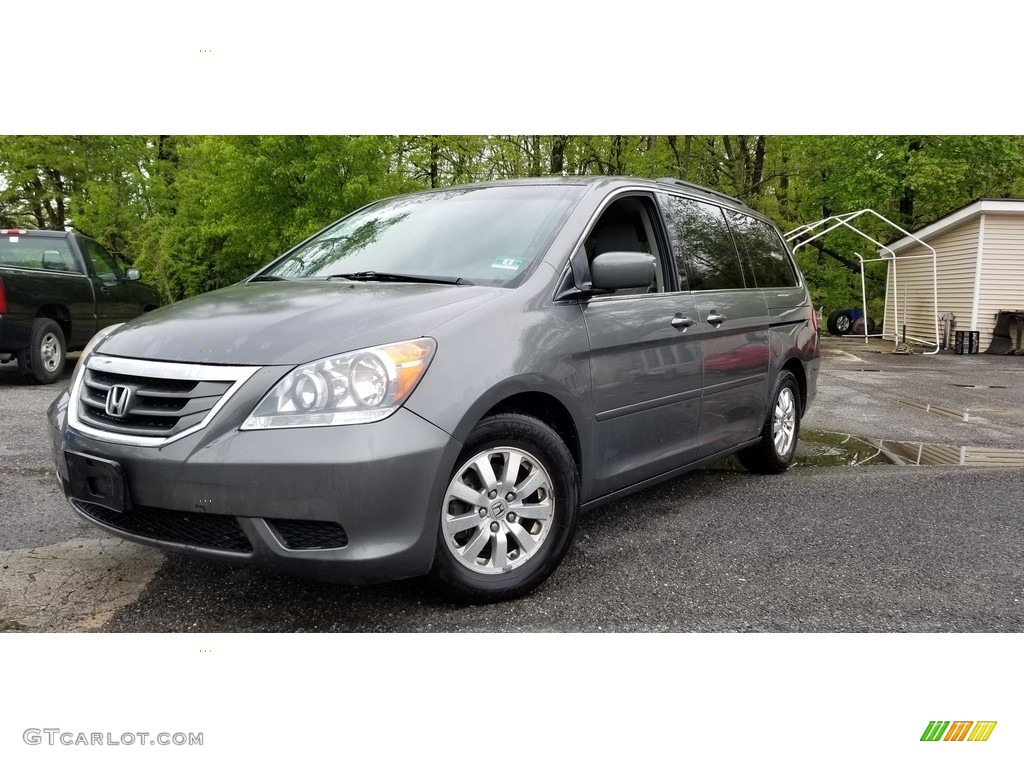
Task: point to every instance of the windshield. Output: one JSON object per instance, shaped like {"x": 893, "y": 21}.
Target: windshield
{"x": 486, "y": 236}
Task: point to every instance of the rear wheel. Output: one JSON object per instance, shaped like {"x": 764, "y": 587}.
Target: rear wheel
{"x": 838, "y": 323}
{"x": 43, "y": 358}
{"x": 775, "y": 452}
{"x": 509, "y": 513}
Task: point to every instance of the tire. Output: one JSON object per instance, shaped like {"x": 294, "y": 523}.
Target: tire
{"x": 858, "y": 326}
{"x": 43, "y": 359}
{"x": 838, "y": 323}
{"x": 775, "y": 452}
{"x": 535, "y": 530}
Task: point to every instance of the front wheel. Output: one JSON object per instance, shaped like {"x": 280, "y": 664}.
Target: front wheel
{"x": 509, "y": 512}
{"x": 774, "y": 453}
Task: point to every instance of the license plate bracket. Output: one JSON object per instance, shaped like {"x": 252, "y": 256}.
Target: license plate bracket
{"x": 97, "y": 481}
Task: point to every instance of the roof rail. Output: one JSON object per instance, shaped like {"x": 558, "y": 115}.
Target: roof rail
{"x": 699, "y": 188}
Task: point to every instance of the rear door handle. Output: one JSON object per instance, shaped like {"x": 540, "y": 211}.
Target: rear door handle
{"x": 681, "y": 322}
{"x": 714, "y": 318}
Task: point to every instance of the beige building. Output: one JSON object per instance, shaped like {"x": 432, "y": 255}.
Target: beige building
{"x": 979, "y": 268}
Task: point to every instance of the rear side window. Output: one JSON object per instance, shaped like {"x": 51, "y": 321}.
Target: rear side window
{"x": 703, "y": 247}
{"x": 765, "y": 253}
{"x": 30, "y": 252}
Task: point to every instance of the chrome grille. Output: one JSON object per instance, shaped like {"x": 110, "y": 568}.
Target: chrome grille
{"x": 158, "y": 407}
{"x": 164, "y": 401}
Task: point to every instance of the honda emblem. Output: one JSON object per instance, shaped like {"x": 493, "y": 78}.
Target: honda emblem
{"x": 118, "y": 398}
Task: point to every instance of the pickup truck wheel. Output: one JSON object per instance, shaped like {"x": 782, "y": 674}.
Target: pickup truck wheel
{"x": 43, "y": 359}
{"x": 509, "y": 512}
{"x": 774, "y": 454}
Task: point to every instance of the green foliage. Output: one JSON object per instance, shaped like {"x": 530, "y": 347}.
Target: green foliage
{"x": 200, "y": 212}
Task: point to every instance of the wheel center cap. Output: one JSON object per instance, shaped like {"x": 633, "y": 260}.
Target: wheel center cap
{"x": 499, "y": 509}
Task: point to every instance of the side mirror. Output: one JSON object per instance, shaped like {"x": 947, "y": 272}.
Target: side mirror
{"x": 132, "y": 273}
{"x": 53, "y": 260}
{"x": 622, "y": 269}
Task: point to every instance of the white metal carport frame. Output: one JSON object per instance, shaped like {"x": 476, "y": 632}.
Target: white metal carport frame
{"x": 806, "y": 234}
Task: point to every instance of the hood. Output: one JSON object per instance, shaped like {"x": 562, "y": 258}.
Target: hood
{"x": 287, "y": 323}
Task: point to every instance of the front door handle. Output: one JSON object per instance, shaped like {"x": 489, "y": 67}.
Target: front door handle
{"x": 714, "y": 318}
{"x": 682, "y": 323}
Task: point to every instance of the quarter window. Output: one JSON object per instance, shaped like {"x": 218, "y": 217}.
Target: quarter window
{"x": 766, "y": 255}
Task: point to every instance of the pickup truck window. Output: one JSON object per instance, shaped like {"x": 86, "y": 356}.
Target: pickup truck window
{"x": 30, "y": 252}
{"x": 103, "y": 263}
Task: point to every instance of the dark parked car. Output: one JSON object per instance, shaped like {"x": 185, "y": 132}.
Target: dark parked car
{"x": 439, "y": 382}
{"x": 56, "y": 290}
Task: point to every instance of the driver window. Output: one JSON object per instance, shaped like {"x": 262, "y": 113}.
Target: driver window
{"x": 626, "y": 226}
{"x": 103, "y": 263}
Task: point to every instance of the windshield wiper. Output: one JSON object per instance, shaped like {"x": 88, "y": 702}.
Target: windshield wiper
{"x": 395, "y": 277}
{"x": 266, "y": 279}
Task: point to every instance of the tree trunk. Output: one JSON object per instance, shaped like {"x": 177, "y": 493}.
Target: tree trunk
{"x": 434, "y": 159}
{"x": 616, "y": 164}
{"x": 907, "y": 199}
{"x": 757, "y": 172}
{"x": 535, "y": 164}
{"x": 682, "y": 160}
{"x": 167, "y": 150}
{"x": 713, "y": 166}
{"x": 782, "y": 191}
{"x": 558, "y": 145}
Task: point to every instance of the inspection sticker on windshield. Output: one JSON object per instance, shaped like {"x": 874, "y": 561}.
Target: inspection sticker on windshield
{"x": 507, "y": 263}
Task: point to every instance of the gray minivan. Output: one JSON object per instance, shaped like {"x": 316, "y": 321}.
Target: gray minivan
{"x": 438, "y": 383}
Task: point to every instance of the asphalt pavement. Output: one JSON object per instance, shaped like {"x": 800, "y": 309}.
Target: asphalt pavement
{"x": 872, "y": 547}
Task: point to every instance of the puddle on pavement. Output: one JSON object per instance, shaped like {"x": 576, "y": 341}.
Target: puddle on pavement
{"x": 940, "y": 410}
{"x": 928, "y": 454}
{"x": 835, "y": 449}
{"x": 969, "y": 415}
{"x": 823, "y": 449}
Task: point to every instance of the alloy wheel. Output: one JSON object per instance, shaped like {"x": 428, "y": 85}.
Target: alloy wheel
{"x": 498, "y": 510}
{"x": 784, "y": 422}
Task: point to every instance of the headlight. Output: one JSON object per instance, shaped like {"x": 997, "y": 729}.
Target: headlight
{"x": 79, "y": 373}
{"x": 354, "y": 388}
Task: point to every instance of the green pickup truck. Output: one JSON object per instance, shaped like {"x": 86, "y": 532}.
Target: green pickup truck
{"x": 56, "y": 290}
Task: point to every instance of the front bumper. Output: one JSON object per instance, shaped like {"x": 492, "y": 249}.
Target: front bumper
{"x": 239, "y": 497}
